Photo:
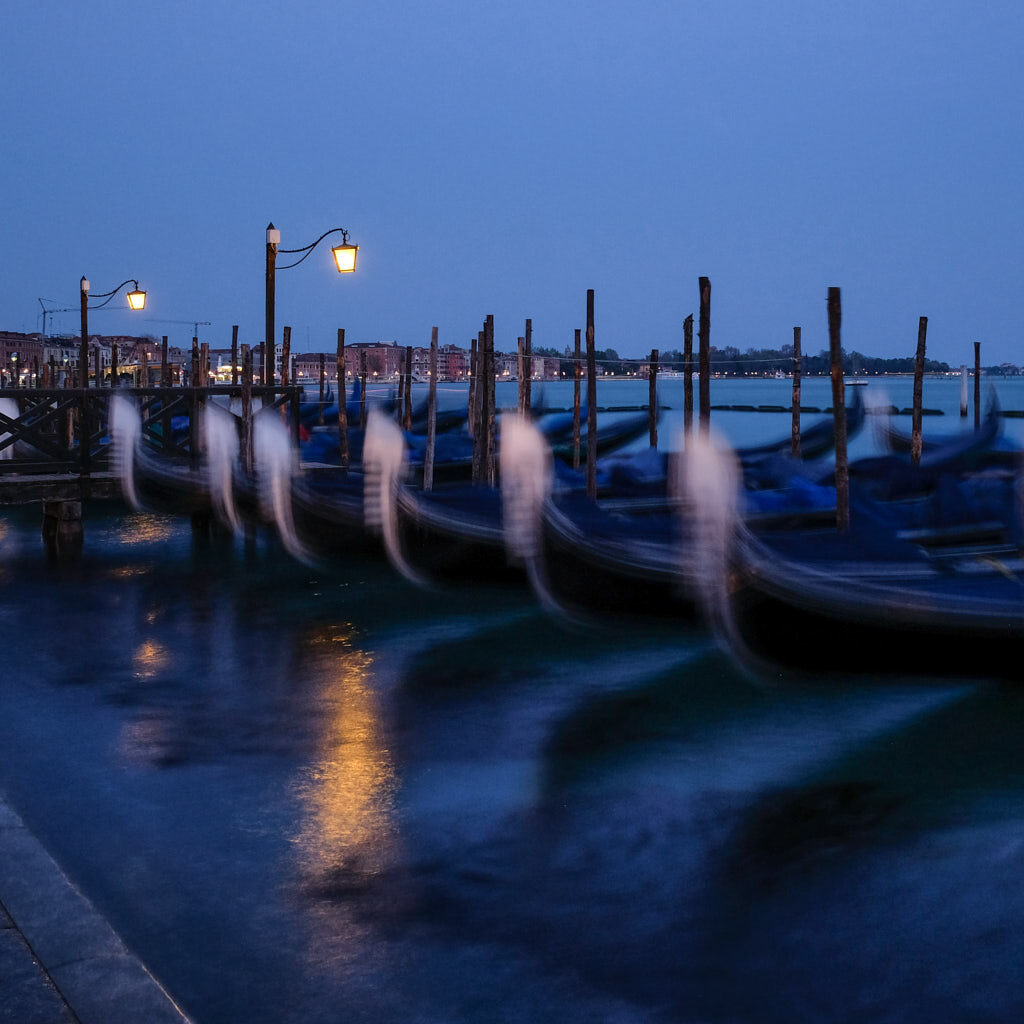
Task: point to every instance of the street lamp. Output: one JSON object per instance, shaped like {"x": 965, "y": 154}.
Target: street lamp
{"x": 136, "y": 300}
{"x": 344, "y": 259}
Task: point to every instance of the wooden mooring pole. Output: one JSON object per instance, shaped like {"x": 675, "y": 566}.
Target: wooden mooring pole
{"x": 794, "y": 448}
{"x": 704, "y": 336}
{"x": 577, "y": 371}
{"x": 286, "y": 356}
{"x": 963, "y": 392}
{"x": 342, "y": 403}
{"x": 591, "y": 400}
{"x": 408, "y": 387}
{"x": 528, "y": 360}
{"x": 652, "y": 400}
{"x": 234, "y": 354}
{"x": 977, "y": 385}
{"x": 428, "y": 457}
{"x": 323, "y": 384}
{"x": 492, "y": 433}
{"x": 474, "y": 374}
{"x": 165, "y": 367}
{"x": 362, "y": 389}
{"x": 483, "y": 445}
{"x": 688, "y": 376}
{"x": 247, "y": 449}
{"x": 835, "y": 316}
{"x": 521, "y": 351}
{"x": 915, "y": 420}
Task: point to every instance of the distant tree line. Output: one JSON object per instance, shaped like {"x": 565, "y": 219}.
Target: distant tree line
{"x": 765, "y": 361}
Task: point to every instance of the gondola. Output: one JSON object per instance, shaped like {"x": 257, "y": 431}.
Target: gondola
{"x": 815, "y": 441}
{"x": 840, "y": 604}
{"x": 932, "y": 589}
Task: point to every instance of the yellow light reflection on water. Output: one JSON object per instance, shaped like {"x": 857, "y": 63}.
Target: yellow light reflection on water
{"x": 348, "y": 834}
{"x": 149, "y": 659}
{"x": 145, "y": 529}
{"x": 127, "y": 572}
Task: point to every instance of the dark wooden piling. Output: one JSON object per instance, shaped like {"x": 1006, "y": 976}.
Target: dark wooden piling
{"x": 62, "y": 528}
{"x": 204, "y": 365}
{"x": 286, "y": 357}
{"x": 428, "y": 457}
{"x": 977, "y": 385}
{"x": 247, "y": 448}
{"x": 577, "y": 371}
{"x": 408, "y": 387}
{"x": 400, "y": 413}
{"x": 492, "y": 433}
{"x": 591, "y": 400}
{"x": 114, "y": 369}
{"x": 794, "y": 447}
{"x": 323, "y": 388}
{"x": 704, "y": 335}
{"x": 193, "y": 417}
{"x": 652, "y": 400}
{"x": 521, "y": 351}
{"x": 835, "y": 316}
{"x": 165, "y": 367}
{"x": 528, "y": 360}
{"x": 688, "y": 376}
{"x": 474, "y": 374}
{"x": 234, "y": 354}
{"x": 915, "y": 421}
{"x": 263, "y": 362}
{"x": 97, "y": 369}
{"x": 342, "y": 403}
{"x": 963, "y": 392}
{"x": 480, "y": 412}
{"x": 362, "y": 389}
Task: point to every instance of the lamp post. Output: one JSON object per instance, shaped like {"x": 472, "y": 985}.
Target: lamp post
{"x": 344, "y": 259}
{"x": 136, "y": 300}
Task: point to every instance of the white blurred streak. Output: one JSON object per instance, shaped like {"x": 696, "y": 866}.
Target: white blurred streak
{"x": 878, "y": 406}
{"x": 384, "y": 465}
{"x": 220, "y": 432}
{"x": 525, "y": 463}
{"x": 276, "y": 463}
{"x": 126, "y": 439}
{"x": 526, "y": 484}
{"x": 705, "y": 482}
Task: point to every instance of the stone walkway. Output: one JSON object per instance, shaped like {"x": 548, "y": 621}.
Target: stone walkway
{"x": 60, "y": 961}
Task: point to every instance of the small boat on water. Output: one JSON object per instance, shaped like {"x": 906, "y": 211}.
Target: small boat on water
{"x": 933, "y": 589}
{"x": 843, "y": 606}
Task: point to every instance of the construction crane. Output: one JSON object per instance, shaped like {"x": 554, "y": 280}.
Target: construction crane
{"x": 196, "y": 324}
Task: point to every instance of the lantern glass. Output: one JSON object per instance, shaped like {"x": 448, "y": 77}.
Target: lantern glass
{"x": 137, "y": 299}
{"x": 345, "y": 258}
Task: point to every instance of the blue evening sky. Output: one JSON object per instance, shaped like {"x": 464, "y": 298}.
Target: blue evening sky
{"x": 503, "y": 158}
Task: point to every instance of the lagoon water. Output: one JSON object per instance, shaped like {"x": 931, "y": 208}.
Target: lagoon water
{"x": 320, "y": 795}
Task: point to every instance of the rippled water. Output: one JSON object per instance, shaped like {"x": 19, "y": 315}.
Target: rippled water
{"x": 321, "y": 796}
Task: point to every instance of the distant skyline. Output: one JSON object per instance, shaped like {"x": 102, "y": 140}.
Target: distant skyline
{"x": 504, "y": 160}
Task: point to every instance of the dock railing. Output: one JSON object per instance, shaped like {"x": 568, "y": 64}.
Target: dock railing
{"x": 67, "y": 430}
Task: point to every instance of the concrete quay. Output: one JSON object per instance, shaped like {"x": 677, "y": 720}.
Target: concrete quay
{"x": 60, "y": 961}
